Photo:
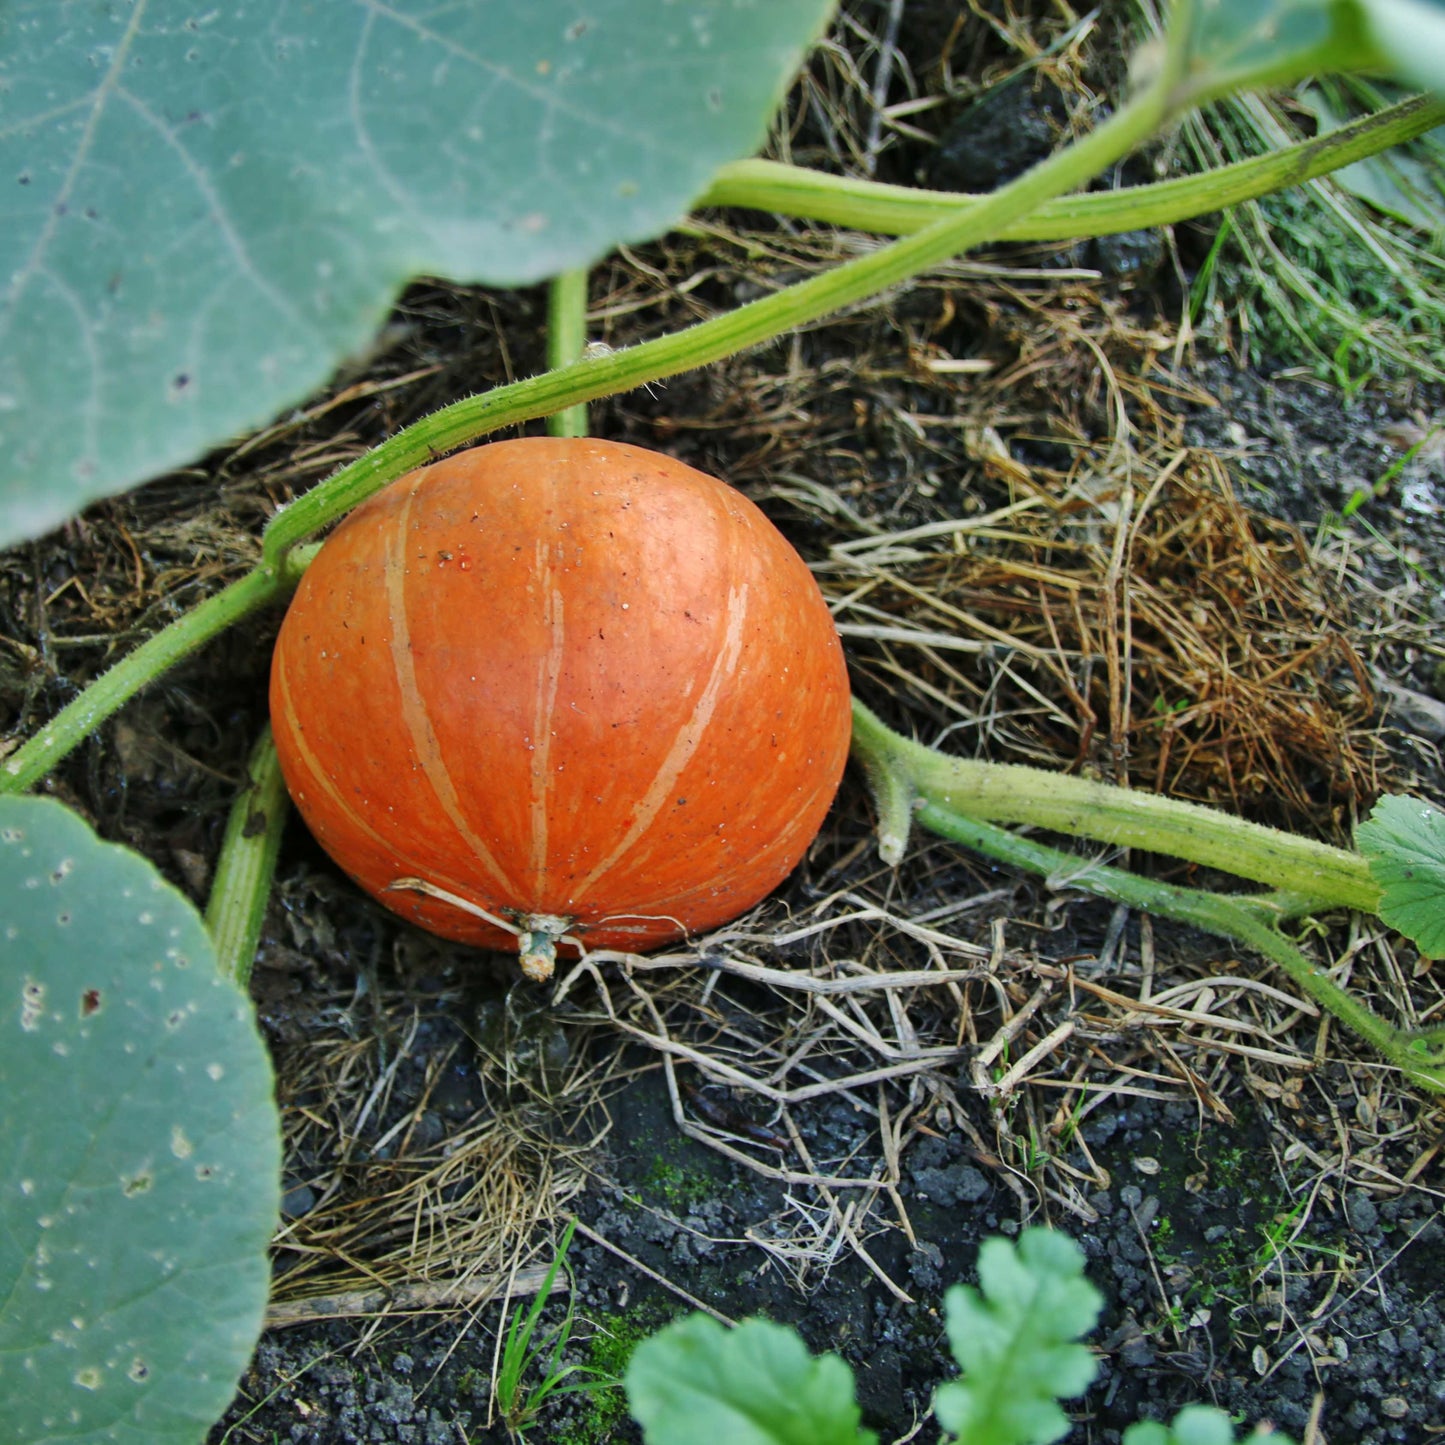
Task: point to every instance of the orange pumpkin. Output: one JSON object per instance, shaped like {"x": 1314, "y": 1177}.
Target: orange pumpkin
{"x": 561, "y": 689}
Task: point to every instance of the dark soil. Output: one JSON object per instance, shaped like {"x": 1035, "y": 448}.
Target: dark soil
{"x": 1245, "y": 1261}
{"x": 1265, "y": 1227}
{"x": 1219, "y": 1288}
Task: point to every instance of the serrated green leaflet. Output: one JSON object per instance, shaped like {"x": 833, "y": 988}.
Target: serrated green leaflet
{"x": 753, "y": 1385}
{"x": 209, "y": 207}
{"x": 1014, "y": 1338}
{"x": 1403, "y": 840}
{"x": 139, "y": 1149}
{"x": 1193, "y": 1425}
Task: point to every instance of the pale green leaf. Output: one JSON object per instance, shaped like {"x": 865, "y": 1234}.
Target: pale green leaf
{"x": 753, "y": 1385}
{"x": 1412, "y": 34}
{"x": 1403, "y": 840}
{"x": 1193, "y": 1425}
{"x": 208, "y": 207}
{"x": 1240, "y": 44}
{"x": 139, "y": 1148}
{"x": 1015, "y": 1340}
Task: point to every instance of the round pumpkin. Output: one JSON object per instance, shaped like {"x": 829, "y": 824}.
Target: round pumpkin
{"x": 561, "y": 688}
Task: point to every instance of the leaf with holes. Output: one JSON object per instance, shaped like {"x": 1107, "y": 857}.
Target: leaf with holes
{"x": 211, "y": 206}
{"x": 1403, "y": 841}
{"x": 139, "y": 1147}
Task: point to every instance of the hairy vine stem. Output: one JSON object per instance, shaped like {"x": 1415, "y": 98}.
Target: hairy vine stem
{"x": 241, "y": 888}
{"x": 900, "y": 210}
{"x": 964, "y": 800}
{"x": 1011, "y": 793}
{"x": 854, "y": 281}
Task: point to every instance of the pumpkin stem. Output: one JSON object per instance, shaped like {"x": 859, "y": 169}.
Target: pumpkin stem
{"x": 537, "y": 944}
{"x": 537, "y": 933}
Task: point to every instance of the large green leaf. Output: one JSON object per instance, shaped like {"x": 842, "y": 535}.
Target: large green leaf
{"x": 139, "y": 1149}
{"x": 210, "y": 205}
{"x": 1239, "y": 44}
{"x": 1412, "y": 34}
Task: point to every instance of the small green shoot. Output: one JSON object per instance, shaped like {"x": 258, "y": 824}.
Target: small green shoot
{"x": 1361, "y": 495}
{"x": 754, "y": 1385}
{"x": 520, "y": 1403}
{"x": 1275, "y": 1236}
{"x": 1015, "y": 1337}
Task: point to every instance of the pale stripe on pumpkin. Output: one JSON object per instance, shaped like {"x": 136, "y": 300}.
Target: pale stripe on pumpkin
{"x": 418, "y": 721}
{"x": 549, "y": 677}
{"x": 318, "y": 778}
{"x": 686, "y": 743}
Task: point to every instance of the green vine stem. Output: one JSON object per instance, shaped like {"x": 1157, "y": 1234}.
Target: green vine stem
{"x": 758, "y": 321}
{"x": 966, "y": 223}
{"x": 1242, "y": 920}
{"x": 242, "y": 885}
{"x": 964, "y": 800}
{"x": 566, "y": 338}
{"x": 1120, "y": 817}
{"x": 174, "y": 642}
{"x": 957, "y": 224}
{"x": 901, "y": 210}
{"x": 1011, "y": 793}
{"x": 581, "y": 381}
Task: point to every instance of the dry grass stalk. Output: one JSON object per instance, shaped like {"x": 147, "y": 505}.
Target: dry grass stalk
{"x": 1244, "y": 689}
{"x": 397, "y": 1207}
{"x": 1027, "y": 560}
